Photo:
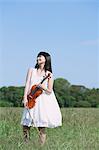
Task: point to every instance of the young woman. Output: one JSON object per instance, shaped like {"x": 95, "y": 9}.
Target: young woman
{"x": 46, "y": 112}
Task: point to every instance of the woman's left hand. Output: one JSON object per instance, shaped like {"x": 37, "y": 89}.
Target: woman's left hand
{"x": 42, "y": 86}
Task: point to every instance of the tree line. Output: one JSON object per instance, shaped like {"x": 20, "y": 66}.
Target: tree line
{"x": 67, "y": 95}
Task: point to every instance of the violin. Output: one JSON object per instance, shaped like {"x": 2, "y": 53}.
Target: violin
{"x": 35, "y": 91}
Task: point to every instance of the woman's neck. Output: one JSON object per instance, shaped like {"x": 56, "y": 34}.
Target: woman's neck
{"x": 41, "y": 67}
{"x": 41, "y": 70}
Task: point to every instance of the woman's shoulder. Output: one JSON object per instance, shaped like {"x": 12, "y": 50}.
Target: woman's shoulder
{"x": 31, "y": 69}
{"x": 51, "y": 74}
{"x": 48, "y": 71}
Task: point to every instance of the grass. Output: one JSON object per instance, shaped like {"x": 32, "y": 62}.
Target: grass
{"x": 80, "y": 131}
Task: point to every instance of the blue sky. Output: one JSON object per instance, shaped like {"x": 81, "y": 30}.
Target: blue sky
{"x": 68, "y": 30}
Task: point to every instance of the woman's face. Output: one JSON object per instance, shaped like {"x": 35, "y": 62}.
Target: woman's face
{"x": 41, "y": 59}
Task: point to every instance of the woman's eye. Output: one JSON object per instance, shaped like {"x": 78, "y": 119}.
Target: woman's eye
{"x": 38, "y": 59}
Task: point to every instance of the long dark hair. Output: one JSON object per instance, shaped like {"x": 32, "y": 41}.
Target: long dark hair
{"x": 47, "y": 65}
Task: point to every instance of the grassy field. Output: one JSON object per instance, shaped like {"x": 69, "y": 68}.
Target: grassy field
{"x": 80, "y": 131}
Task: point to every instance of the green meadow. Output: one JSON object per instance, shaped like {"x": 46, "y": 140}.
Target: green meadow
{"x": 80, "y": 131}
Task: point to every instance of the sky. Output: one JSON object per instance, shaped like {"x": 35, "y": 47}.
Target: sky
{"x": 67, "y": 29}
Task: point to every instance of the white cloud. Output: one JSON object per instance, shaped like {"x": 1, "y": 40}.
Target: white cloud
{"x": 90, "y": 42}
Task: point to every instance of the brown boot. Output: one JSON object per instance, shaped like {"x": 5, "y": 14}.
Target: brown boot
{"x": 26, "y": 133}
{"x": 42, "y": 135}
{"x": 42, "y": 138}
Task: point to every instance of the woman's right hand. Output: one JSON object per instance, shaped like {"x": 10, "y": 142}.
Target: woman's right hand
{"x": 25, "y": 105}
{"x": 25, "y": 101}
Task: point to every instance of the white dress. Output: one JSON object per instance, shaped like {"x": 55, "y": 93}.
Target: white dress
{"x": 46, "y": 112}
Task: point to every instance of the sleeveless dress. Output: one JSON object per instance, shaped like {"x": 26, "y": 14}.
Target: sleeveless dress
{"x": 46, "y": 112}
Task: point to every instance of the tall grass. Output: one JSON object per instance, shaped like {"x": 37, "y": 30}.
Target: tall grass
{"x": 80, "y": 131}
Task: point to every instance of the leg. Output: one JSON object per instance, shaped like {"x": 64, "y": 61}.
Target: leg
{"x": 42, "y": 135}
{"x": 26, "y": 133}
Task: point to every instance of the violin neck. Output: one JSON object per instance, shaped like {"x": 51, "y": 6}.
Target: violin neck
{"x": 44, "y": 79}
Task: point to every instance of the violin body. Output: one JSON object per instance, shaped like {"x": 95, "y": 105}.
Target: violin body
{"x": 34, "y": 93}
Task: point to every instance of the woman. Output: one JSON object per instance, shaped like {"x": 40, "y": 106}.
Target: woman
{"x": 46, "y": 112}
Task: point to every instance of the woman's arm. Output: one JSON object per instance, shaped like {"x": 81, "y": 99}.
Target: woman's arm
{"x": 49, "y": 88}
{"x": 50, "y": 85}
{"x": 27, "y": 84}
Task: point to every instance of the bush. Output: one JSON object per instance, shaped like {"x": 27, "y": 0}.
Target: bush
{"x": 82, "y": 104}
{"x": 5, "y": 104}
